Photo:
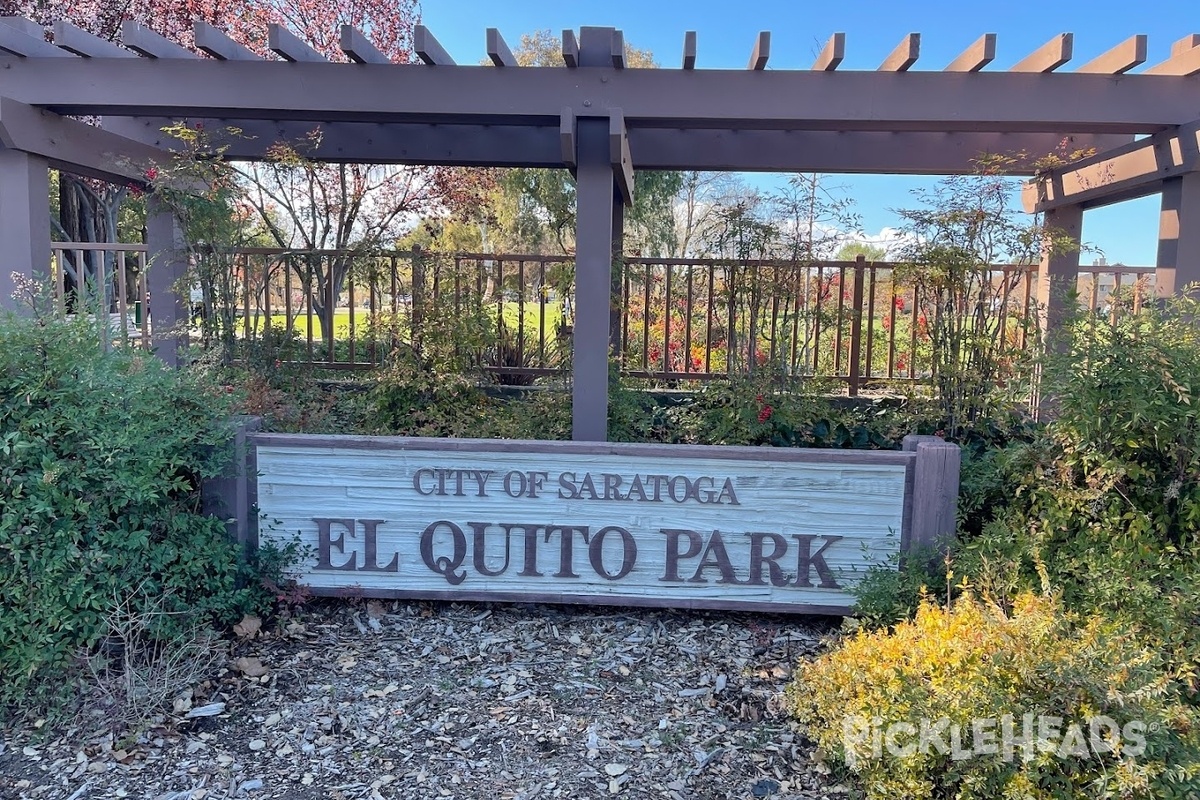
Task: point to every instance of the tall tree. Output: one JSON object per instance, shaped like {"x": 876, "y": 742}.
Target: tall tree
{"x": 89, "y": 210}
{"x": 536, "y": 209}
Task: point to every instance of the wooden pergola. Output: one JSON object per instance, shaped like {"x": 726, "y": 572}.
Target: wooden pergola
{"x": 602, "y": 120}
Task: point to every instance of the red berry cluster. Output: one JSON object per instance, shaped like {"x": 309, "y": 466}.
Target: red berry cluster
{"x": 764, "y": 409}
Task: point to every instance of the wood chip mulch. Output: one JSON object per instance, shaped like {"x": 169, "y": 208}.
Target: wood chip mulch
{"x": 378, "y": 699}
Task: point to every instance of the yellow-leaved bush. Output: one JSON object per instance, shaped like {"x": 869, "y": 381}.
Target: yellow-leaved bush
{"x": 977, "y": 702}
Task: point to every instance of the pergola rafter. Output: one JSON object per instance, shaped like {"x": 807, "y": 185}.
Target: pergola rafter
{"x": 602, "y": 119}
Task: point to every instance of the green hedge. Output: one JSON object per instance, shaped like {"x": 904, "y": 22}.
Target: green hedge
{"x": 101, "y": 456}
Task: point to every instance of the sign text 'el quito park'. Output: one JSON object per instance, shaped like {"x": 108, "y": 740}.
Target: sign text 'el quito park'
{"x": 573, "y": 522}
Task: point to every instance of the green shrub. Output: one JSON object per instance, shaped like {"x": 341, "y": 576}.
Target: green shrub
{"x": 1105, "y": 506}
{"x": 101, "y": 456}
{"x": 947, "y": 669}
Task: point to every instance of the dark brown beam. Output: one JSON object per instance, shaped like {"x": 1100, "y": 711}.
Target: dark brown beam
{"x": 1049, "y": 57}
{"x": 726, "y": 99}
{"x": 33, "y": 29}
{"x": 1184, "y": 63}
{"x": 689, "y": 50}
{"x": 570, "y": 49}
{"x": 16, "y": 39}
{"x": 429, "y": 49}
{"x": 981, "y": 53}
{"x": 1133, "y": 170}
{"x": 289, "y": 46}
{"x": 566, "y": 139}
{"x": 82, "y": 43}
{"x": 618, "y": 153}
{"x": 833, "y": 54}
{"x": 618, "y": 50}
{"x": 651, "y": 148}
{"x": 358, "y": 47}
{"x": 1120, "y": 59}
{"x": 761, "y": 51}
{"x": 146, "y": 42}
{"x": 75, "y": 146}
{"x": 904, "y": 56}
{"x": 1186, "y": 43}
{"x": 213, "y": 41}
{"x": 498, "y": 51}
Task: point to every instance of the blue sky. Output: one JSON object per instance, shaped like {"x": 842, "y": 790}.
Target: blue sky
{"x": 1125, "y": 233}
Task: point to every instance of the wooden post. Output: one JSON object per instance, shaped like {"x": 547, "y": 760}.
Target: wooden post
{"x": 1178, "y": 263}
{"x": 935, "y": 491}
{"x": 856, "y": 326}
{"x": 595, "y": 224}
{"x": 24, "y": 220}
{"x": 168, "y": 266}
{"x": 233, "y": 496}
{"x": 417, "y": 315}
{"x": 616, "y": 287}
{"x": 1058, "y": 274}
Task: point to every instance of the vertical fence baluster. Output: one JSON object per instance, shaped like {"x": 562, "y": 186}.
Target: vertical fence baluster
{"x": 122, "y": 300}
{"x": 837, "y": 334}
{"x": 521, "y": 314}
{"x": 687, "y": 330}
{"x": 646, "y": 321}
{"x": 542, "y": 313}
{"x": 891, "y": 370}
{"x": 820, "y": 297}
{"x": 144, "y": 294}
{"x": 708, "y": 320}
{"x": 625, "y": 303}
{"x": 872, "y": 276}
{"x": 667, "y": 318}
{"x": 350, "y": 279}
{"x": 774, "y": 314}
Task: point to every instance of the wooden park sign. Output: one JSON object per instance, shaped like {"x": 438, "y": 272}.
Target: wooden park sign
{"x": 573, "y": 522}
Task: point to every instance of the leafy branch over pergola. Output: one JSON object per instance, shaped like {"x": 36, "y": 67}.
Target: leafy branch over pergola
{"x": 603, "y": 119}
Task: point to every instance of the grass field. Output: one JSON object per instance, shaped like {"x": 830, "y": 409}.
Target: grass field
{"x": 362, "y": 322}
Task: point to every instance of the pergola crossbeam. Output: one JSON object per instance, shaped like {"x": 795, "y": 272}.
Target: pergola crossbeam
{"x": 498, "y": 51}
{"x": 981, "y": 53}
{"x": 1049, "y": 57}
{"x": 904, "y": 56}
{"x": 761, "y": 52}
{"x": 618, "y": 50}
{"x": 832, "y": 54}
{"x": 689, "y": 50}
{"x": 213, "y": 41}
{"x": 75, "y": 146}
{"x": 17, "y": 40}
{"x": 618, "y": 153}
{"x": 82, "y": 43}
{"x": 25, "y": 26}
{"x": 655, "y": 148}
{"x": 150, "y": 44}
{"x": 1186, "y": 43}
{"x": 566, "y": 138}
{"x": 358, "y": 48}
{"x": 289, "y": 46}
{"x": 1120, "y": 59}
{"x": 1123, "y": 173}
{"x": 570, "y": 49}
{"x": 727, "y": 99}
{"x": 1183, "y": 63}
{"x": 429, "y": 49}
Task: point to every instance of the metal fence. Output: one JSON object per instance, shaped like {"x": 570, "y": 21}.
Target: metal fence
{"x": 673, "y": 320}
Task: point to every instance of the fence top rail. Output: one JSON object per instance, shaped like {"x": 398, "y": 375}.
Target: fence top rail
{"x": 122, "y": 247}
{"x": 135, "y": 247}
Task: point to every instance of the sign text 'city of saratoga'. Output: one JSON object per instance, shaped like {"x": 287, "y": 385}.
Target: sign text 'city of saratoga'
{"x": 447, "y": 523}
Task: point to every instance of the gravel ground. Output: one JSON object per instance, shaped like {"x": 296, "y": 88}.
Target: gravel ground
{"x": 416, "y": 700}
